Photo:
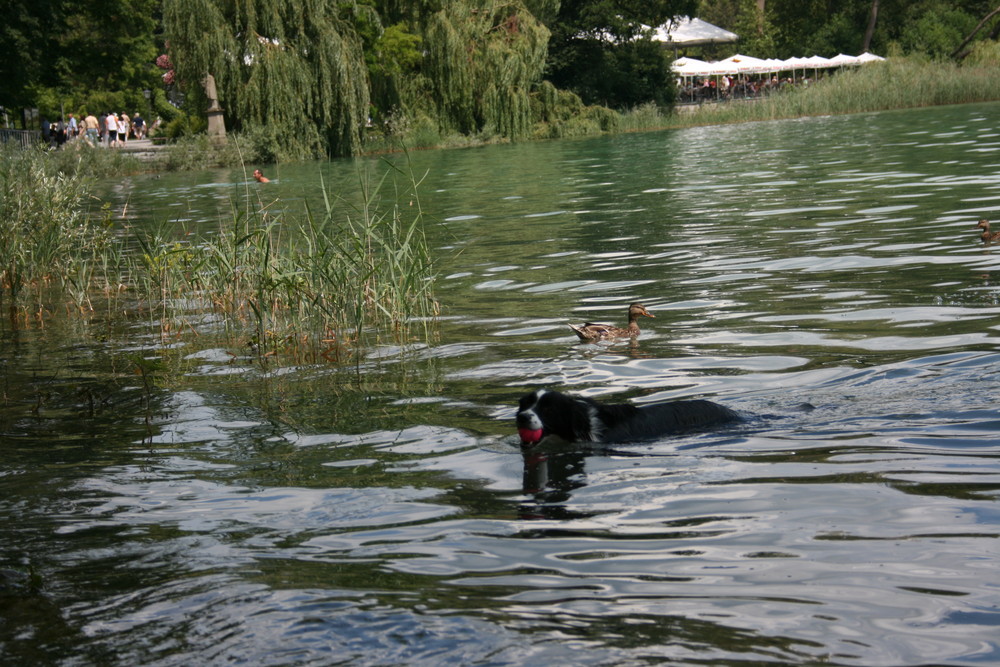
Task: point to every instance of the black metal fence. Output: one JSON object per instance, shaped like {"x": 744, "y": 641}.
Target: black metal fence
{"x": 23, "y": 138}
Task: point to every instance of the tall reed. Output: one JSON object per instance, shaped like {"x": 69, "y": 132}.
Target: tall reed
{"x": 321, "y": 284}
{"x": 45, "y": 233}
{"x": 318, "y": 285}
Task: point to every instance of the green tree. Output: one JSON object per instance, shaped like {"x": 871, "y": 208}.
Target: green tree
{"x": 806, "y": 27}
{"x": 25, "y": 40}
{"x": 109, "y": 45}
{"x": 483, "y": 58}
{"x": 57, "y": 53}
{"x": 470, "y": 65}
{"x": 750, "y": 20}
{"x": 394, "y": 60}
{"x": 598, "y": 50}
{"x": 935, "y": 28}
{"x": 293, "y": 68}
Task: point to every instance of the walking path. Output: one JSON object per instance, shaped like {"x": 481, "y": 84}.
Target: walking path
{"x": 144, "y": 149}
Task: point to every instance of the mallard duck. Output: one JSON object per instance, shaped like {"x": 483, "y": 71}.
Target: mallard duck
{"x": 987, "y": 236}
{"x": 591, "y": 331}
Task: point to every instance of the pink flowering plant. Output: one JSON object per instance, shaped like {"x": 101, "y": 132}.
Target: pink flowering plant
{"x": 163, "y": 62}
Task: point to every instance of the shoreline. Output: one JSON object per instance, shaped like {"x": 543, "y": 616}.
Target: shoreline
{"x": 894, "y": 85}
{"x": 682, "y": 117}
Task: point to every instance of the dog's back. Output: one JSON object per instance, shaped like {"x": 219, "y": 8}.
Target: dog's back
{"x": 628, "y": 422}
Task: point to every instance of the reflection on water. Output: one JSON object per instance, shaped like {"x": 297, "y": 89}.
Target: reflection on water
{"x": 227, "y": 514}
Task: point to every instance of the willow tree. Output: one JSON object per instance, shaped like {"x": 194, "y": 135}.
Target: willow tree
{"x": 294, "y": 68}
{"x": 483, "y": 58}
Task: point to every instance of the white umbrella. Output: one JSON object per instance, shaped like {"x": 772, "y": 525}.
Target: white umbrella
{"x": 740, "y": 64}
{"x": 722, "y": 68}
{"x": 796, "y": 63}
{"x": 775, "y": 65}
{"x": 692, "y": 67}
{"x": 689, "y": 67}
{"x": 792, "y": 64}
{"x": 819, "y": 62}
{"x": 869, "y": 58}
{"x": 842, "y": 60}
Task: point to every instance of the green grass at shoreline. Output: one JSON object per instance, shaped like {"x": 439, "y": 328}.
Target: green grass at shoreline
{"x": 893, "y": 84}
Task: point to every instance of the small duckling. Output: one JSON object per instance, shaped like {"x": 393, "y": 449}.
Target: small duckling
{"x": 987, "y": 236}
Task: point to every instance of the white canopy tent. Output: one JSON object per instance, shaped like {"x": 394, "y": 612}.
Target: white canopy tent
{"x": 685, "y": 31}
{"x": 679, "y": 31}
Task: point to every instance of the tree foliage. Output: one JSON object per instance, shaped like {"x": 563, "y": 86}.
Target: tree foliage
{"x": 61, "y": 50}
{"x": 482, "y": 60}
{"x": 296, "y": 67}
{"x": 787, "y": 28}
{"x": 598, "y": 50}
{"x": 306, "y": 75}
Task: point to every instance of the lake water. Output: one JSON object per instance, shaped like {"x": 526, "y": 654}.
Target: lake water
{"x": 221, "y": 513}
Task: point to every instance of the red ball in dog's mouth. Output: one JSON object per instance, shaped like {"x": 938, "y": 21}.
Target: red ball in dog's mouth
{"x": 529, "y": 436}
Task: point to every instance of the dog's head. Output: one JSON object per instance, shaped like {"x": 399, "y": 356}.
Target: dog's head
{"x": 544, "y": 413}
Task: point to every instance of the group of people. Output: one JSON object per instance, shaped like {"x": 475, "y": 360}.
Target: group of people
{"x": 108, "y": 129}
{"x": 728, "y": 87}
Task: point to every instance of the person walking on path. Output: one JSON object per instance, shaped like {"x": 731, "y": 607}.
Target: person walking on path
{"x": 111, "y": 127}
{"x": 123, "y": 128}
{"x": 90, "y": 127}
{"x": 60, "y": 132}
{"x": 138, "y": 125}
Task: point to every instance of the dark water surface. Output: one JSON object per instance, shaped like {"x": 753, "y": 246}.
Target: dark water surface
{"x": 222, "y": 513}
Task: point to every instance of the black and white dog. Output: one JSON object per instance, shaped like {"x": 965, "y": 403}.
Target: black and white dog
{"x": 544, "y": 413}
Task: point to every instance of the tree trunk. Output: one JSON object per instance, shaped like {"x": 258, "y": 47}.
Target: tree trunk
{"x": 870, "y": 30}
{"x": 958, "y": 53}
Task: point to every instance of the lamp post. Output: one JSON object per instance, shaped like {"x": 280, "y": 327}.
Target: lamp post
{"x": 149, "y": 111}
